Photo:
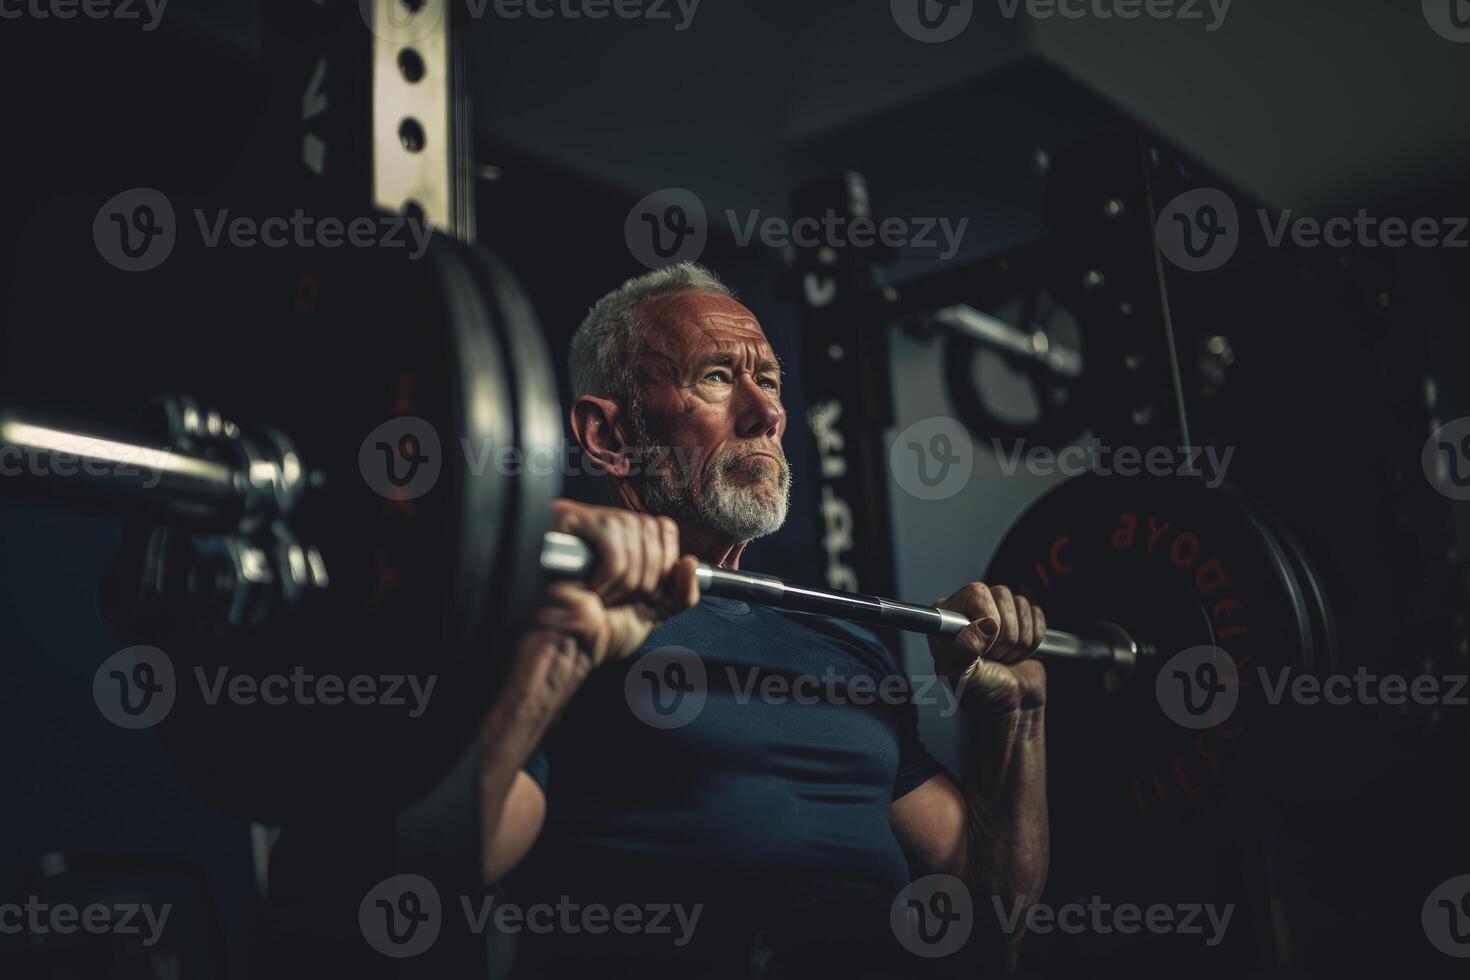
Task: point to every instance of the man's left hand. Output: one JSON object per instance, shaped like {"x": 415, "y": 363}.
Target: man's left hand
{"x": 994, "y": 655}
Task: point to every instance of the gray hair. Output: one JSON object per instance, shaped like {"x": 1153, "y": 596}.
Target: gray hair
{"x": 606, "y": 348}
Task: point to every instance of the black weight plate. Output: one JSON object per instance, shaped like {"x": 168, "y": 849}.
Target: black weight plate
{"x": 538, "y": 426}
{"x": 1143, "y": 808}
{"x": 433, "y": 367}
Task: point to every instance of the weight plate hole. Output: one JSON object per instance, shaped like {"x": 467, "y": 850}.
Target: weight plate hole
{"x": 411, "y": 134}
{"x": 411, "y": 65}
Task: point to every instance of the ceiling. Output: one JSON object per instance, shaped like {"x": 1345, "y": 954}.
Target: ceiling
{"x": 1310, "y": 104}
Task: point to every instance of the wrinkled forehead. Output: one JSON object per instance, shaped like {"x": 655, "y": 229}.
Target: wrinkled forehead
{"x": 686, "y": 327}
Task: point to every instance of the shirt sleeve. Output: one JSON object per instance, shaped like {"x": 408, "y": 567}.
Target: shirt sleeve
{"x": 915, "y": 765}
{"x": 538, "y": 767}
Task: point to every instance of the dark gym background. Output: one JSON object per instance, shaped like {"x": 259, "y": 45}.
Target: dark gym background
{"x": 1322, "y": 106}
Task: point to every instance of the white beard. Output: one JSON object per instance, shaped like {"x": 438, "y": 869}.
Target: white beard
{"x": 739, "y": 507}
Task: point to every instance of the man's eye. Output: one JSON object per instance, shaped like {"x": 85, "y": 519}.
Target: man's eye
{"x": 717, "y": 375}
{"x": 771, "y": 383}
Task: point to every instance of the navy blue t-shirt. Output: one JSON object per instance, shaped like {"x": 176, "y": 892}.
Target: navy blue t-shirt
{"x": 743, "y": 761}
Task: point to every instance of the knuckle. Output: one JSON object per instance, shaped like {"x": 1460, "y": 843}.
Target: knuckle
{"x": 585, "y": 605}
{"x": 616, "y": 557}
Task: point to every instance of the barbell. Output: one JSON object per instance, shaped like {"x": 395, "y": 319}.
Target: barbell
{"x": 260, "y": 549}
{"x": 1107, "y": 645}
{"x": 263, "y": 478}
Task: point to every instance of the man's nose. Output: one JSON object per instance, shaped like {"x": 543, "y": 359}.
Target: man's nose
{"x": 759, "y": 414}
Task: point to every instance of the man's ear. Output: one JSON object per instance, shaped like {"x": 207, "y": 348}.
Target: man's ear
{"x": 597, "y": 426}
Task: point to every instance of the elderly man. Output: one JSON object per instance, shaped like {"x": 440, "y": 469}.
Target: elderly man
{"x": 742, "y": 834}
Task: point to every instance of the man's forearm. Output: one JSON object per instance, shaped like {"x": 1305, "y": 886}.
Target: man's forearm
{"x": 1008, "y": 848}
{"x": 545, "y": 672}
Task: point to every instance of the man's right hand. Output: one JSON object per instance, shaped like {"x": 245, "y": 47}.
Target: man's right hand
{"x": 640, "y": 579}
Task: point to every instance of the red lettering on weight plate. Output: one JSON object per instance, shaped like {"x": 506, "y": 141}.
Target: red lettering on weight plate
{"x": 1211, "y": 576}
{"x": 1156, "y": 531}
{"x": 1122, "y": 538}
{"x": 1059, "y": 566}
{"x": 1184, "y": 550}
